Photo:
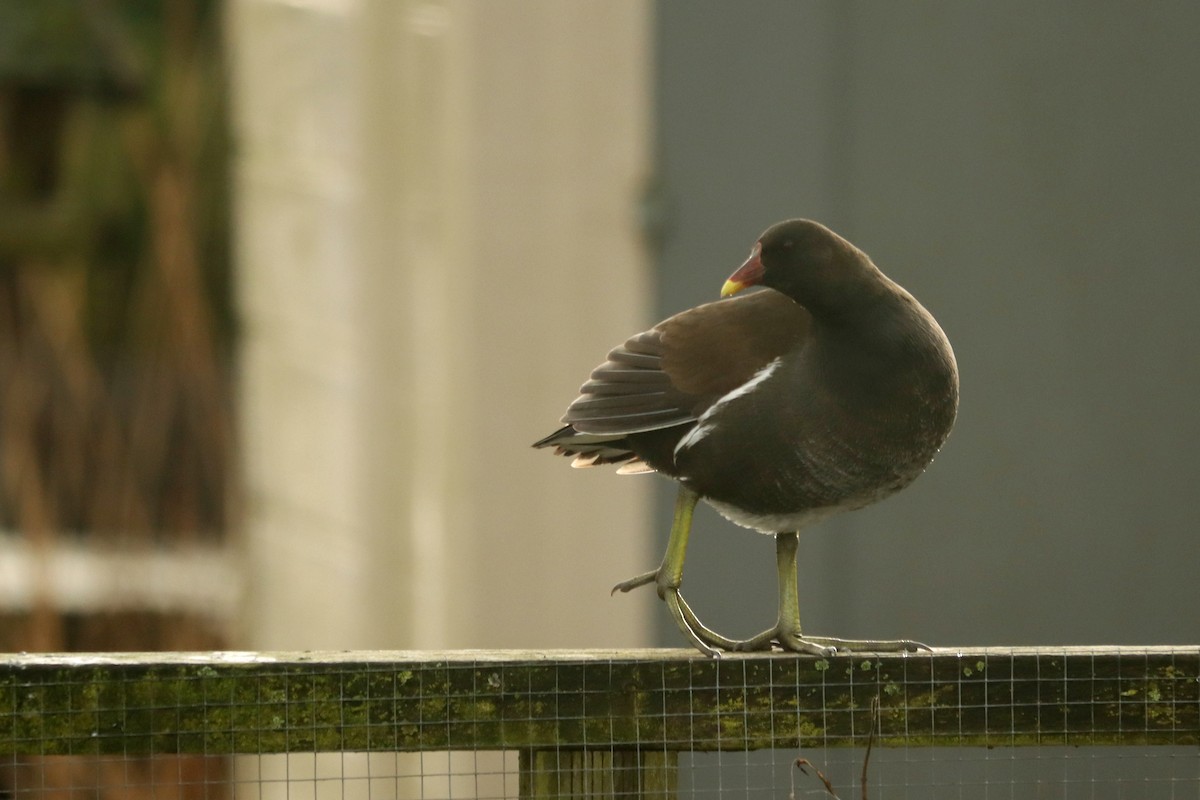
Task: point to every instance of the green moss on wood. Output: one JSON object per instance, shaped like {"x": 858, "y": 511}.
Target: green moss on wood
{"x": 646, "y": 701}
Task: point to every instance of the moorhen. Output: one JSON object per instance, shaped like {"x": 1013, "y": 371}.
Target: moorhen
{"x": 826, "y": 391}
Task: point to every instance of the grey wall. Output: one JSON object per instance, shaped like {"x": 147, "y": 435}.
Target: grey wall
{"x": 1031, "y": 172}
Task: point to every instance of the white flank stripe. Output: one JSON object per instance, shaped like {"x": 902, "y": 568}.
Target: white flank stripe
{"x": 694, "y": 435}
{"x": 704, "y": 427}
{"x": 746, "y": 387}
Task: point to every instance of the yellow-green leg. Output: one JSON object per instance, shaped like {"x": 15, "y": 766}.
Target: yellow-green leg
{"x": 669, "y": 577}
{"x": 787, "y": 634}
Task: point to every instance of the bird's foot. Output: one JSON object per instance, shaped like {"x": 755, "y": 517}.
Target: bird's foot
{"x": 707, "y": 641}
{"x": 791, "y": 640}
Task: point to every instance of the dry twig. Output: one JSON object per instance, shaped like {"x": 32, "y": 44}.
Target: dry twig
{"x": 803, "y": 764}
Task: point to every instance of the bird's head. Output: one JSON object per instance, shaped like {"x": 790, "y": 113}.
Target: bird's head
{"x": 803, "y": 260}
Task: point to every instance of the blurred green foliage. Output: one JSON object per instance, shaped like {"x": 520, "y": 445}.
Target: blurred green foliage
{"x": 116, "y": 311}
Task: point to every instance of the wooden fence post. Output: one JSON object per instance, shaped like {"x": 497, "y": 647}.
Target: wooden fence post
{"x": 642, "y": 774}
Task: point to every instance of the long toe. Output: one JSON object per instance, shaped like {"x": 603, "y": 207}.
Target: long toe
{"x": 698, "y": 630}
{"x": 644, "y": 579}
{"x": 871, "y": 645}
{"x": 785, "y": 639}
{"x": 676, "y": 604}
{"x": 766, "y": 640}
{"x": 800, "y": 644}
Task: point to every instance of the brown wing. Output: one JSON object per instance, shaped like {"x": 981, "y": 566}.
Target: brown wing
{"x": 669, "y": 375}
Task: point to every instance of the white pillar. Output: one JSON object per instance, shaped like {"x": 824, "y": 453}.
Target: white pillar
{"x": 436, "y": 242}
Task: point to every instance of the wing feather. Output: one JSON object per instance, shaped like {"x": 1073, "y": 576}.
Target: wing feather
{"x": 648, "y": 393}
{"x": 667, "y": 376}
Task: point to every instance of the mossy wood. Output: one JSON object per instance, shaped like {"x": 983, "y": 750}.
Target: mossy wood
{"x": 656, "y": 700}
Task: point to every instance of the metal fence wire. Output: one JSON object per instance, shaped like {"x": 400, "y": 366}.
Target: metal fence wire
{"x": 980, "y": 723}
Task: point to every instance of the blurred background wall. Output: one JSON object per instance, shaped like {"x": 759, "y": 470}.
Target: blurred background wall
{"x": 289, "y": 286}
{"x": 1028, "y": 170}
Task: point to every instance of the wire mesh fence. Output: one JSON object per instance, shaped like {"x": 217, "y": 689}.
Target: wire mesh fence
{"x": 1003, "y": 723}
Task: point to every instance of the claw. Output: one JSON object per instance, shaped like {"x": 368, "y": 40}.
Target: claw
{"x": 634, "y": 582}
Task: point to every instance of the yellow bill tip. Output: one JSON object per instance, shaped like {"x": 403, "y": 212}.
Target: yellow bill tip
{"x": 732, "y": 287}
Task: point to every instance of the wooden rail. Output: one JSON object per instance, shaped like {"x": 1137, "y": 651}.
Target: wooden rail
{"x": 641, "y": 700}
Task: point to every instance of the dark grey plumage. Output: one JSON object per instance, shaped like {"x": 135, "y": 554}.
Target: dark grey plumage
{"x": 829, "y": 390}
